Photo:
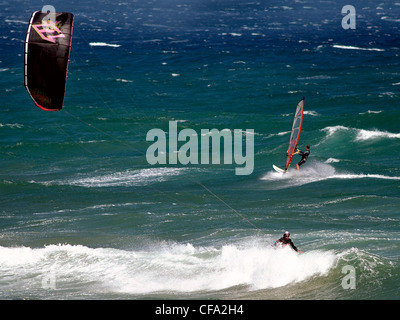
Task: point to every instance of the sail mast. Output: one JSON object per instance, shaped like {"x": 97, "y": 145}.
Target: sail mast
{"x": 295, "y": 135}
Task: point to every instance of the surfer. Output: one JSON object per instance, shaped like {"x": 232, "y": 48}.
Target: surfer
{"x": 285, "y": 240}
{"x": 304, "y": 155}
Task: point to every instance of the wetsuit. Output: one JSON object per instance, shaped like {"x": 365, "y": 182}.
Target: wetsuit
{"x": 287, "y": 241}
{"x": 304, "y": 156}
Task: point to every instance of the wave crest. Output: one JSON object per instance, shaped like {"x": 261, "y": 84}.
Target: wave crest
{"x": 360, "y": 134}
{"x": 166, "y": 268}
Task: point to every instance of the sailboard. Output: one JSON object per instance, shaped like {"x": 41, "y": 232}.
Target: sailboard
{"x": 277, "y": 169}
{"x": 47, "y": 49}
{"x": 294, "y": 137}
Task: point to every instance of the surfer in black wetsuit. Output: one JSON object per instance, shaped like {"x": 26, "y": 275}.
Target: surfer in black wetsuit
{"x": 304, "y": 156}
{"x": 285, "y": 240}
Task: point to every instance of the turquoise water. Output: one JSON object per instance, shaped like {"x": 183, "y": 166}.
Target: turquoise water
{"x": 84, "y": 215}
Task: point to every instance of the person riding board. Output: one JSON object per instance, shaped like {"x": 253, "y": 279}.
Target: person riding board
{"x": 304, "y": 155}
{"x": 285, "y": 240}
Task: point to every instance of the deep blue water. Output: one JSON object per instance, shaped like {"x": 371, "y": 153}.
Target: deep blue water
{"x": 84, "y": 215}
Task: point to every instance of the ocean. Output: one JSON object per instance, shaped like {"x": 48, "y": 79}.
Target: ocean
{"x": 85, "y": 215}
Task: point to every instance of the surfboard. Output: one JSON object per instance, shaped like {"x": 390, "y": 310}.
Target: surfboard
{"x": 277, "y": 169}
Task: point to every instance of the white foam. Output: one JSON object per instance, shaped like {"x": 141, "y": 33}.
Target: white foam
{"x": 318, "y": 77}
{"x": 333, "y": 129}
{"x": 103, "y": 44}
{"x": 355, "y": 48}
{"x": 128, "y": 177}
{"x": 11, "y": 125}
{"x": 371, "y": 112}
{"x": 315, "y": 172}
{"x": 361, "y": 134}
{"x": 312, "y": 113}
{"x": 332, "y": 160}
{"x": 375, "y": 134}
{"x": 164, "y": 267}
{"x": 363, "y": 176}
{"x": 123, "y": 80}
{"x": 15, "y": 21}
{"x": 121, "y": 178}
{"x": 390, "y": 19}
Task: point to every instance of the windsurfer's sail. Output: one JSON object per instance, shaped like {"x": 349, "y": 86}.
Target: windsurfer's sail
{"x": 47, "y": 48}
{"x": 296, "y": 130}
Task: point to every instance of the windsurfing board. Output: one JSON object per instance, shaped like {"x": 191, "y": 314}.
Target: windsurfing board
{"x": 277, "y": 169}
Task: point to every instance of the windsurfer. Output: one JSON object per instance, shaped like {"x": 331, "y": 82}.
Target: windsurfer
{"x": 304, "y": 155}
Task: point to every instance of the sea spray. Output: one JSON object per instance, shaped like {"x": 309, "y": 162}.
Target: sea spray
{"x": 176, "y": 268}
